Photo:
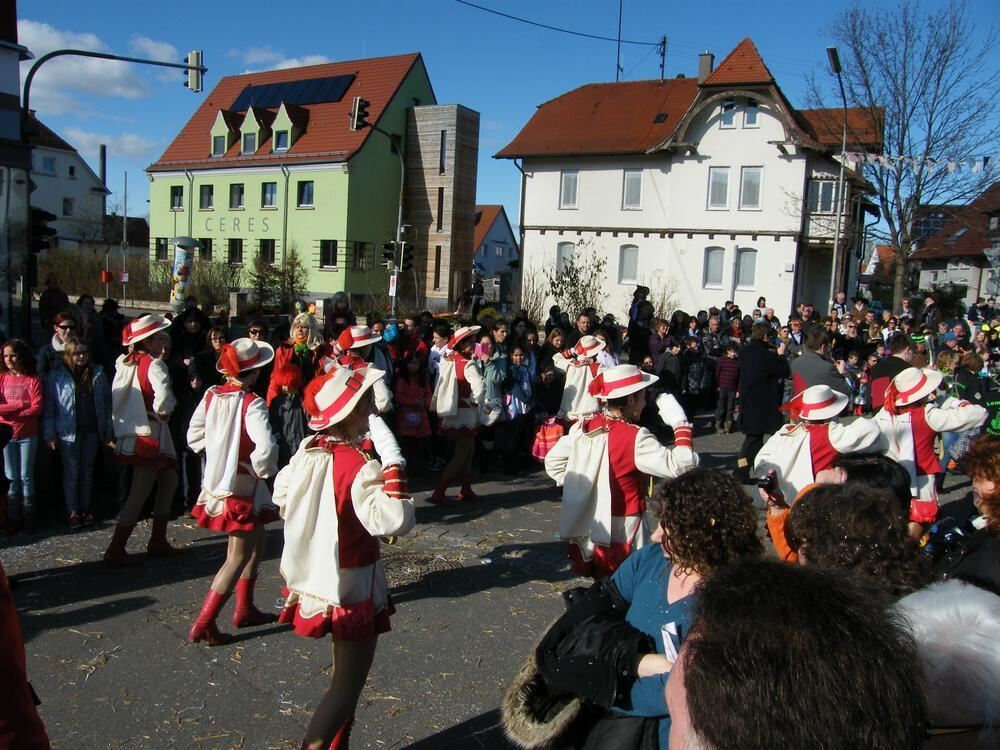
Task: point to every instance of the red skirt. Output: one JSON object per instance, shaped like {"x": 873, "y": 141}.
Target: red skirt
{"x": 238, "y": 516}
{"x": 349, "y": 623}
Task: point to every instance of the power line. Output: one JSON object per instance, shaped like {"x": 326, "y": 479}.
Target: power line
{"x": 555, "y": 28}
{"x": 641, "y": 61}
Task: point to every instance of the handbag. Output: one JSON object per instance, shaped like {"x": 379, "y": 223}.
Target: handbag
{"x": 547, "y": 434}
{"x": 146, "y": 446}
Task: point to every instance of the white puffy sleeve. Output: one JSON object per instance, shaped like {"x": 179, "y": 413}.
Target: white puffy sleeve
{"x": 859, "y": 435}
{"x": 655, "y": 459}
{"x": 562, "y": 362}
{"x": 196, "y": 427}
{"x": 380, "y": 513}
{"x": 557, "y": 459}
{"x": 264, "y": 457}
{"x": 383, "y": 396}
{"x": 279, "y": 495}
{"x": 163, "y": 394}
{"x": 954, "y": 418}
{"x": 475, "y": 381}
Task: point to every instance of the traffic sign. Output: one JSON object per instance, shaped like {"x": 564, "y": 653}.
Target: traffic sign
{"x": 392, "y": 285}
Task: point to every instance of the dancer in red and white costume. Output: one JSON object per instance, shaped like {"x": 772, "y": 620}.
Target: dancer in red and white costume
{"x": 337, "y": 500}
{"x": 141, "y": 403}
{"x": 799, "y": 451}
{"x": 456, "y": 399}
{"x": 353, "y": 347}
{"x": 910, "y": 422}
{"x": 604, "y": 465}
{"x": 581, "y": 368}
{"x": 231, "y": 427}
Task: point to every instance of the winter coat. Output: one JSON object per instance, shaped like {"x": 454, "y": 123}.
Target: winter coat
{"x": 59, "y": 415}
{"x": 761, "y": 372}
{"x": 288, "y": 423}
{"x": 670, "y": 370}
{"x": 812, "y": 369}
{"x": 697, "y": 372}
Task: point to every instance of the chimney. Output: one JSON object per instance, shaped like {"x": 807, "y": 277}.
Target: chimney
{"x": 103, "y": 174}
{"x": 706, "y": 63}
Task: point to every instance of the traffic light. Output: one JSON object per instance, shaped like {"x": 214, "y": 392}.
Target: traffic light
{"x": 41, "y": 232}
{"x": 407, "y": 264}
{"x": 195, "y": 74}
{"x": 359, "y": 113}
{"x": 389, "y": 254}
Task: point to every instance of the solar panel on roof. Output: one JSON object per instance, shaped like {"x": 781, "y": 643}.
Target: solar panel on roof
{"x": 308, "y": 91}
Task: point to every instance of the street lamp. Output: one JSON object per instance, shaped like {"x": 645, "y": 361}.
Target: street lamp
{"x": 831, "y": 53}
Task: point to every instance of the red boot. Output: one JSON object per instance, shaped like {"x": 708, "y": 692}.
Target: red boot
{"x": 159, "y": 545}
{"x": 116, "y": 555}
{"x": 204, "y": 628}
{"x": 246, "y": 614}
{"x": 466, "y": 494}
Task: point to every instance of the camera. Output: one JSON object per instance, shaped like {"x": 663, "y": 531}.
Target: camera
{"x": 768, "y": 483}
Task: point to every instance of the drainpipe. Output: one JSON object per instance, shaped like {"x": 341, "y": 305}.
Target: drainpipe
{"x": 736, "y": 262}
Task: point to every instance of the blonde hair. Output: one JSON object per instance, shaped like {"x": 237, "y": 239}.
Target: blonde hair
{"x": 314, "y": 337}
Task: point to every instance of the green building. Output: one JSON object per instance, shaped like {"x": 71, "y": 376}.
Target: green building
{"x": 269, "y": 165}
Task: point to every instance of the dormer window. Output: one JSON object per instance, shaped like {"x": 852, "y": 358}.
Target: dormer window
{"x": 281, "y": 140}
{"x": 218, "y": 145}
{"x": 249, "y": 143}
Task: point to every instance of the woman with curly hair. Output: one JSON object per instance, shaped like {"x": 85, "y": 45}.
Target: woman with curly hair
{"x": 303, "y": 349}
{"x": 854, "y": 527}
{"x": 976, "y": 557}
{"x": 629, "y": 628}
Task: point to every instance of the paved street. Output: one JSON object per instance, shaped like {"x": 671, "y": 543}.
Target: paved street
{"x": 474, "y": 587}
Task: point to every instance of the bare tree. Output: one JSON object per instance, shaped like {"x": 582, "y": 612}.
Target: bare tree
{"x": 532, "y": 295}
{"x": 933, "y": 74}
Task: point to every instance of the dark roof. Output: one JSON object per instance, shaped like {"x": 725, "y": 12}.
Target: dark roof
{"x": 967, "y": 233}
{"x": 138, "y": 230}
{"x": 328, "y": 137}
{"x": 45, "y": 137}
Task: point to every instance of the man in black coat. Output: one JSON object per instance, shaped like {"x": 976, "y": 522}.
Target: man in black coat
{"x": 761, "y": 371}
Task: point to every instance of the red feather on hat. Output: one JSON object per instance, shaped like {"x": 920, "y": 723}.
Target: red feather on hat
{"x": 229, "y": 361}
{"x": 345, "y": 341}
{"x": 596, "y": 387}
{"x": 891, "y": 394}
{"x": 793, "y": 406}
{"x": 309, "y": 395}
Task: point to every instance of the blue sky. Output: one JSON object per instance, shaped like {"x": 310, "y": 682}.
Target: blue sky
{"x": 501, "y": 68}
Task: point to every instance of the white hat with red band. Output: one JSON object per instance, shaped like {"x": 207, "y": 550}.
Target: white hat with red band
{"x": 619, "y": 381}
{"x": 142, "y": 328}
{"x": 462, "y": 333}
{"x": 913, "y": 384}
{"x": 356, "y": 337}
{"x": 242, "y": 355}
{"x": 339, "y": 394}
{"x": 588, "y": 346}
{"x": 816, "y": 403}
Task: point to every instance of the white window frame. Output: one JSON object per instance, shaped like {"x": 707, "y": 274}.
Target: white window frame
{"x": 161, "y": 250}
{"x": 727, "y": 111}
{"x": 253, "y": 143}
{"x": 263, "y": 195}
{"x": 278, "y": 133}
{"x": 752, "y": 105}
{"x": 233, "y": 205}
{"x": 707, "y": 283}
{"x": 816, "y": 189}
{"x": 334, "y": 248}
{"x": 635, "y": 174}
{"x": 717, "y": 170}
{"x": 622, "y": 277}
{"x": 231, "y": 242}
{"x": 218, "y": 140}
{"x": 49, "y": 164}
{"x": 565, "y": 251}
{"x": 204, "y": 190}
{"x": 760, "y": 188}
{"x": 299, "y": 187}
{"x": 742, "y": 253}
{"x": 176, "y": 197}
{"x": 563, "y": 175}
{"x": 67, "y": 204}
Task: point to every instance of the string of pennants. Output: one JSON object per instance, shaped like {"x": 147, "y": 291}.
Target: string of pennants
{"x": 974, "y": 165}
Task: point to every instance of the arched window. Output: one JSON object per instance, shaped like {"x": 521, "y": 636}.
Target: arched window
{"x": 746, "y": 268}
{"x": 564, "y": 254}
{"x": 628, "y": 264}
{"x": 714, "y": 259}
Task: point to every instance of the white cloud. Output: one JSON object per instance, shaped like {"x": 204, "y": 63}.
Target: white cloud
{"x": 57, "y": 85}
{"x": 121, "y": 146}
{"x": 155, "y": 50}
{"x": 265, "y": 58}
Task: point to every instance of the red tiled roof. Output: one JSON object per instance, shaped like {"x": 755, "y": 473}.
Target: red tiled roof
{"x": 45, "y": 137}
{"x": 743, "y": 65}
{"x": 864, "y": 126}
{"x": 967, "y": 233}
{"x": 486, "y": 216}
{"x": 605, "y": 118}
{"x": 327, "y": 138}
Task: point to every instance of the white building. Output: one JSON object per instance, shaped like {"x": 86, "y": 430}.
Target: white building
{"x": 66, "y": 186}
{"x": 708, "y": 189}
{"x": 496, "y": 253}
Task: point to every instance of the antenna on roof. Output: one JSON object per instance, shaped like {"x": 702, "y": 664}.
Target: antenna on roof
{"x": 663, "y": 55}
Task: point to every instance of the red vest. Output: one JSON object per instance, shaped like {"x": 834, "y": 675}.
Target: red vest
{"x": 924, "y": 456}
{"x": 357, "y": 548}
{"x": 821, "y": 450}
{"x": 628, "y": 484}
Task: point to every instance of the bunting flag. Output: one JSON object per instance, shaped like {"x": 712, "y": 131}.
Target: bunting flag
{"x": 975, "y": 165}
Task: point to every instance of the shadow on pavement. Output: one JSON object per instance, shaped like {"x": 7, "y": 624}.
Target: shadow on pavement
{"x": 34, "y": 623}
{"x": 470, "y": 511}
{"x": 482, "y": 732}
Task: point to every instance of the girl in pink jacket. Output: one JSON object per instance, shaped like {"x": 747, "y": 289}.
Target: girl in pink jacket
{"x": 20, "y": 409}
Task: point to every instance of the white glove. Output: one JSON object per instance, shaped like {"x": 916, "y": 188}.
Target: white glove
{"x": 671, "y": 412}
{"x": 385, "y": 442}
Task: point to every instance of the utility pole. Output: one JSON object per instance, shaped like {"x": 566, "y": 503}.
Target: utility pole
{"x": 618, "y": 56}
{"x": 663, "y": 56}
{"x": 834, "y": 59}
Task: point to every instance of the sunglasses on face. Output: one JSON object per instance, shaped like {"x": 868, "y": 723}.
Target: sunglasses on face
{"x": 66, "y": 328}
{"x": 254, "y": 331}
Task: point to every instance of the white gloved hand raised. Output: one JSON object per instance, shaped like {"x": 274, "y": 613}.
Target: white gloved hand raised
{"x": 671, "y": 412}
{"x": 385, "y": 442}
